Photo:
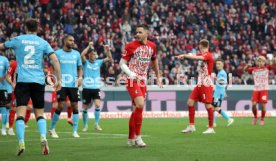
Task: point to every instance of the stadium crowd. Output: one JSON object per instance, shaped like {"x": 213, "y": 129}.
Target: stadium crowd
{"x": 238, "y": 31}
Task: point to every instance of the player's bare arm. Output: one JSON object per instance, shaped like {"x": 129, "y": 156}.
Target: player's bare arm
{"x": 55, "y": 63}
{"x": 2, "y": 46}
{"x": 124, "y": 67}
{"x": 9, "y": 80}
{"x": 155, "y": 67}
{"x": 247, "y": 66}
{"x": 86, "y": 50}
{"x": 2, "y": 78}
{"x": 80, "y": 73}
{"x": 189, "y": 56}
{"x": 108, "y": 54}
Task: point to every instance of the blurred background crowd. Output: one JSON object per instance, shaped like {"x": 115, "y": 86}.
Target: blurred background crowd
{"x": 238, "y": 31}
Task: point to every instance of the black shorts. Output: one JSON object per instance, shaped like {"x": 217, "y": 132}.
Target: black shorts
{"x": 24, "y": 91}
{"x": 3, "y": 97}
{"x": 9, "y": 97}
{"x": 89, "y": 94}
{"x": 217, "y": 102}
{"x": 72, "y": 93}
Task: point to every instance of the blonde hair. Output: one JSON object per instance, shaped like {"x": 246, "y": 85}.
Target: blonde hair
{"x": 262, "y": 58}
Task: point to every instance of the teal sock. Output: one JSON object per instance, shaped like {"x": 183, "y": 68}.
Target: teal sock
{"x": 75, "y": 122}
{"x": 97, "y": 113}
{"x": 215, "y": 117}
{"x": 54, "y": 121}
{"x": 85, "y": 117}
{"x": 41, "y": 124}
{"x": 4, "y": 117}
{"x": 224, "y": 115}
{"x": 20, "y": 129}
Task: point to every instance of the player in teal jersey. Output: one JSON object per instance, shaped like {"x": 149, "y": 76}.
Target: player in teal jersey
{"x": 71, "y": 74}
{"x": 4, "y": 66}
{"x": 91, "y": 82}
{"x": 29, "y": 51}
{"x": 219, "y": 93}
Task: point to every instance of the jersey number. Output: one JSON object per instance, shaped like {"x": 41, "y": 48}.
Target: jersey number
{"x": 30, "y": 52}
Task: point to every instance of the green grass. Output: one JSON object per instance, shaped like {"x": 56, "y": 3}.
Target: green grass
{"x": 241, "y": 142}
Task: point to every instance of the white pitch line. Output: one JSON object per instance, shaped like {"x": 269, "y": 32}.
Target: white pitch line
{"x": 104, "y": 135}
{"x": 58, "y": 139}
{"x": 114, "y": 136}
{"x": 87, "y": 133}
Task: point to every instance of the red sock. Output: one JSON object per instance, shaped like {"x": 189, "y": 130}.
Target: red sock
{"x": 210, "y": 117}
{"x": 255, "y": 112}
{"x": 138, "y": 117}
{"x": 27, "y": 116}
{"x": 11, "y": 118}
{"x": 131, "y": 126}
{"x": 263, "y": 114}
{"x": 53, "y": 109}
{"x": 69, "y": 112}
{"x": 191, "y": 115}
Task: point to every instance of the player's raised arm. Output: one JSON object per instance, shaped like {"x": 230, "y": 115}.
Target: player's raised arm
{"x": 189, "y": 56}
{"x": 86, "y": 51}
{"x": 108, "y": 54}
{"x": 203, "y": 48}
{"x": 55, "y": 63}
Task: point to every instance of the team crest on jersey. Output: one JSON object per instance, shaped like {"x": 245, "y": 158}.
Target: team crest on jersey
{"x": 136, "y": 91}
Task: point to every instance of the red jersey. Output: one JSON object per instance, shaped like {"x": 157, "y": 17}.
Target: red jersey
{"x": 139, "y": 56}
{"x": 12, "y": 70}
{"x": 260, "y": 76}
{"x": 205, "y": 69}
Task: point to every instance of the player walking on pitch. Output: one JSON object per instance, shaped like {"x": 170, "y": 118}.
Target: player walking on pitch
{"x": 29, "y": 50}
{"x": 203, "y": 91}
{"x": 71, "y": 73}
{"x": 219, "y": 93}
{"x": 260, "y": 92}
{"x": 135, "y": 61}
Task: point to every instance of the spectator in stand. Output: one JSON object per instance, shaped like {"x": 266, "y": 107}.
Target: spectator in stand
{"x": 239, "y": 31}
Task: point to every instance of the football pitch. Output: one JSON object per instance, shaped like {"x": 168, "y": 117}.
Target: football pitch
{"x": 240, "y": 142}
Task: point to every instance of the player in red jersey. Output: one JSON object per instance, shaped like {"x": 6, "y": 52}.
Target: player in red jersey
{"x": 203, "y": 92}
{"x": 260, "y": 92}
{"x": 11, "y": 78}
{"x": 135, "y": 62}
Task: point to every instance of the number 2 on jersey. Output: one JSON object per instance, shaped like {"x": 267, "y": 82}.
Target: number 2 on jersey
{"x": 30, "y": 52}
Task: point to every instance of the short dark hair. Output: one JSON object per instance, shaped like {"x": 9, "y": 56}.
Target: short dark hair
{"x": 31, "y": 24}
{"x": 204, "y": 43}
{"x": 65, "y": 38}
{"x": 220, "y": 59}
{"x": 144, "y": 26}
